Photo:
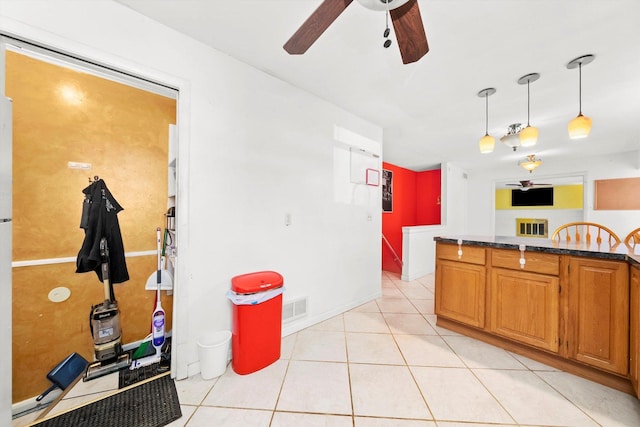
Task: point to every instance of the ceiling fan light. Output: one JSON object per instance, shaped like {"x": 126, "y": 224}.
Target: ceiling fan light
{"x": 487, "y": 144}
{"x": 382, "y": 4}
{"x": 529, "y": 136}
{"x": 580, "y": 127}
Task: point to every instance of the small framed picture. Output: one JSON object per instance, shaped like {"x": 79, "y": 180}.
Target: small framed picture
{"x": 373, "y": 177}
{"x": 387, "y": 191}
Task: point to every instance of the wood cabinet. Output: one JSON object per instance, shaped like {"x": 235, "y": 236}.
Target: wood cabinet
{"x": 525, "y": 307}
{"x": 598, "y": 313}
{"x": 461, "y": 284}
{"x": 634, "y": 329}
{"x": 569, "y": 310}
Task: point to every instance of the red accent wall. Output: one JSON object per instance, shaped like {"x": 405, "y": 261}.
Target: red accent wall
{"x": 415, "y": 202}
{"x": 428, "y": 197}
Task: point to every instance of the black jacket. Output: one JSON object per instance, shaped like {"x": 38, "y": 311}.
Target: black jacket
{"x": 100, "y": 219}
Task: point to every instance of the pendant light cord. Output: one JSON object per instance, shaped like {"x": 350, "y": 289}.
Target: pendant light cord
{"x": 486, "y": 114}
{"x": 528, "y": 101}
{"x": 580, "y": 87}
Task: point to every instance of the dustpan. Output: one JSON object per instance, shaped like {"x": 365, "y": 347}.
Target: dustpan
{"x": 65, "y": 373}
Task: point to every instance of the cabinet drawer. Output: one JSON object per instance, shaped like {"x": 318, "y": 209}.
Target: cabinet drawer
{"x": 470, "y": 254}
{"x": 536, "y": 262}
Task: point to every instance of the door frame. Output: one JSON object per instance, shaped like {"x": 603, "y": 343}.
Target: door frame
{"x": 99, "y": 60}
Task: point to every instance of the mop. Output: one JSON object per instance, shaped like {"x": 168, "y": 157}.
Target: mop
{"x": 157, "y": 335}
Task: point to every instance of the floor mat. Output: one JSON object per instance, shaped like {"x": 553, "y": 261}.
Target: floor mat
{"x": 153, "y": 403}
{"x": 126, "y": 377}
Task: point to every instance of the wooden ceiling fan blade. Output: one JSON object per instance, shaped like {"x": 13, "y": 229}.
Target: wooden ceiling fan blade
{"x": 315, "y": 25}
{"x": 410, "y": 35}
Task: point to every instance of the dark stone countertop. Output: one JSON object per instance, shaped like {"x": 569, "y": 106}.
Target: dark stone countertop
{"x": 618, "y": 252}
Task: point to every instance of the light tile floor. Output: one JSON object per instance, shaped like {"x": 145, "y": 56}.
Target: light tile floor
{"x": 386, "y": 364}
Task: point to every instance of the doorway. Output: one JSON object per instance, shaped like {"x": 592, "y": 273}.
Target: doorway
{"x": 73, "y": 121}
{"x": 567, "y": 203}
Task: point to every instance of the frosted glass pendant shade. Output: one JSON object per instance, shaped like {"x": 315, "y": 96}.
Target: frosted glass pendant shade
{"x": 487, "y": 143}
{"x": 579, "y": 127}
{"x": 529, "y": 136}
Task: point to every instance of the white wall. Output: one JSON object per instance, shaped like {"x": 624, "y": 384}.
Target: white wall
{"x": 252, "y": 149}
{"x": 419, "y": 250}
{"x": 456, "y": 191}
{"x": 481, "y": 200}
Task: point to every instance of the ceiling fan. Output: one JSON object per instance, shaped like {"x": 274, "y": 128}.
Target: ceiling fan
{"x": 524, "y": 185}
{"x": 405, "y": 15}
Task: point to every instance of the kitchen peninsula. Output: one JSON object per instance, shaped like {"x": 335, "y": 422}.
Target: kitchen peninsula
{"x": 570, "y": 305}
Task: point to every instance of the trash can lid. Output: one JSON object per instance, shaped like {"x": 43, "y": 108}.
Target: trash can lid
{"x": 259, "y": 281}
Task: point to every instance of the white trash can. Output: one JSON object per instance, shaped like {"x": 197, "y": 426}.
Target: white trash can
{"x": 213, "y": 350}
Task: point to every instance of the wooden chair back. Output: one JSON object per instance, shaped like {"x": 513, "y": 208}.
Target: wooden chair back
{"x": 633, "y": 238}
{"x": 588, "y": 232}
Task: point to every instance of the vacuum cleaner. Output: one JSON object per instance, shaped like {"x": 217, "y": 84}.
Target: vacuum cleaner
{"x": 104, "y": 323}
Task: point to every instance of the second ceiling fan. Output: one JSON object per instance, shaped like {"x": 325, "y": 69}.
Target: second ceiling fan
{"x": 526, "y": 184}
{"x": 405, "y": 15}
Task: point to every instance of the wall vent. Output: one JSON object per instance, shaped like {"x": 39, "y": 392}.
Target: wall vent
{"x": 294, "y": 309}
{"x": 532, "y": 227}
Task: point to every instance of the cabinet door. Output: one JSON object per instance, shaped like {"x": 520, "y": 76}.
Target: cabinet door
{"x": 460, "y": 292}
{"x": 599, "y": 313}
{"x": 634, "y": 332}
{"x": 525, "y": 307}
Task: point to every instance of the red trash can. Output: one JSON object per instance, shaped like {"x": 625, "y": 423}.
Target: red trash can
{"x": 257, "y": 320}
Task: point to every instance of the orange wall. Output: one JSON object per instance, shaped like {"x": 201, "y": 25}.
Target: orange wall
{"x": 62, "y": 115}
{"x": 415, "y": 202}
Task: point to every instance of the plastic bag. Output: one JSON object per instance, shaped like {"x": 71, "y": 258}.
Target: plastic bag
{"x": 253, "y": 299}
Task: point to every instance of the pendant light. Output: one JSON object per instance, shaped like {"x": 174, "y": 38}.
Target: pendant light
{"x": 528, "y": 135}
{"x": 487, "y": 143}
{"x": 580, "y": 126}
{"x": 512, "y": 138}
{"x": 531, "y": 163}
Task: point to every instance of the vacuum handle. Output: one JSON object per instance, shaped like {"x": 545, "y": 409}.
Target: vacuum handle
{"x": 158, "y": 242}
{"x": 105, "y": 281}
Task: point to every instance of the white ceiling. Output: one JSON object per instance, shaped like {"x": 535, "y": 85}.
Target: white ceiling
{"x": 430, "y": 110}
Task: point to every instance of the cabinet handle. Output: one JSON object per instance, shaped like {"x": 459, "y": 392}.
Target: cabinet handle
{"x": 522, "y": 260}
{"x": 459, "y": 248}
